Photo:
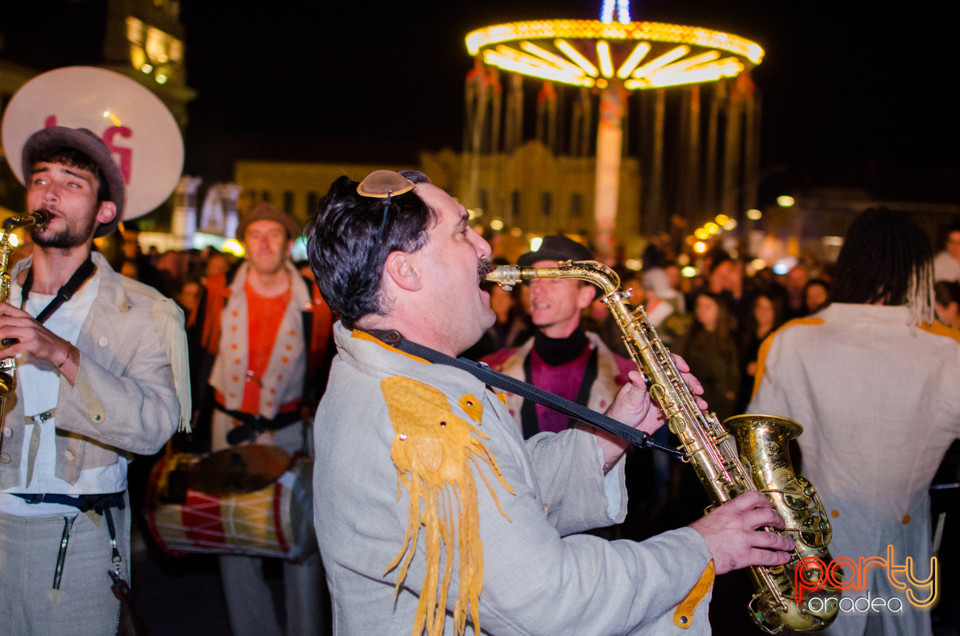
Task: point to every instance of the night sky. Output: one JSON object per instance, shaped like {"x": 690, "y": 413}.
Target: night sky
{"x": 845, "y": 87}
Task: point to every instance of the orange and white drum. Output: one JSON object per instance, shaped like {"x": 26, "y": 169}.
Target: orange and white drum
{"x": 252, "y": 500}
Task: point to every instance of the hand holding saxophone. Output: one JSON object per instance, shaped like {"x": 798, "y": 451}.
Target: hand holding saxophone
{"x": 734, "y": 533}
{"x": 633, "y": 407}
{"x": 29, "y": 336}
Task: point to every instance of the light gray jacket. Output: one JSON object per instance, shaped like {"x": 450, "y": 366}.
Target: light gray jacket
{"x": 536, "y": 578}
{"x": 125, "y": 400}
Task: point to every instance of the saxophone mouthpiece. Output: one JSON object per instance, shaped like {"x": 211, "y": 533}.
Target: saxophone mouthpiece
{"x": 506, "y": 276}
{"x": 40, "y": 217}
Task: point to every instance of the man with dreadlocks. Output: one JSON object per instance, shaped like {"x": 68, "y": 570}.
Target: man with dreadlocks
{"x": 431, "y": 511}
{"x": 874, "y": 382}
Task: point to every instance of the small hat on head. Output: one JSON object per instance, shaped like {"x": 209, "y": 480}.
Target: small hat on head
{"x": 556, "y": 247}
{"x": 89, "y": 144}
{"x": 268, "y": 212}
{"x": 383, "y": 184}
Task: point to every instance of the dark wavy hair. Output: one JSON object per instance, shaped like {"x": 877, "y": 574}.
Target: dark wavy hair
{"x": 725, "y": 327}
{"x": 342, "y": 234}
{"x": 886, "y": 257}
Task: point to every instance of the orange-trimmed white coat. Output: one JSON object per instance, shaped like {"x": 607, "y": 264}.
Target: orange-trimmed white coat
{"x": 879, "y": 402}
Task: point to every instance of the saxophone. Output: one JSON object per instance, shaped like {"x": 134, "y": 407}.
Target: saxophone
{"x": 762, "y": 463}
{"x": 40, "y": 218}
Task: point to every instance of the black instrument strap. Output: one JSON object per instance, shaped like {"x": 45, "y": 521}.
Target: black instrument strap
{"x": 528, "y": 391}
{"x": 252, "y": 425}
{"x": 101, "y": 504}
{"x": 83, "y": 503}
{"x": 64, "y": 294}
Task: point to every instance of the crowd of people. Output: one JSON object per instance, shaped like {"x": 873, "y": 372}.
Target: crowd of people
{"x": 408, "y": 534}
{"x": 721, "y": 314}
{"x": 558, "y": 335}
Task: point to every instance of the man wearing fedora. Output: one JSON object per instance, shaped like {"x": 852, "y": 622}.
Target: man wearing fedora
{"x": 264, "y": 332}
{"x": 560, "y": 357}
{"x": 101, "y": 374}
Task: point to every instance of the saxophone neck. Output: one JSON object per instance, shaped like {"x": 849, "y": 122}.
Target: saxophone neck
{"x": 590, "y": 271}
{"x": 40, "y": 218}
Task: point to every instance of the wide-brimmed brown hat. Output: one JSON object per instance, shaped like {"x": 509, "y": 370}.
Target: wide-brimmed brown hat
{"x": 89, "y": 144}
{"x": 268, "y": 212}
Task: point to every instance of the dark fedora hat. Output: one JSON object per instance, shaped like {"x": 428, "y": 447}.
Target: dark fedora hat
{"x": 556, "y": 247}
{"x": 89, "y": 144}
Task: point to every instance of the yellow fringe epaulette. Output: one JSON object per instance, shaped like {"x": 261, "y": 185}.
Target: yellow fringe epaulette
{"x": 434, "y": 452}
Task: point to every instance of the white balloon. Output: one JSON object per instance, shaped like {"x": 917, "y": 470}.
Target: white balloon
{"x": 142, "y": 135}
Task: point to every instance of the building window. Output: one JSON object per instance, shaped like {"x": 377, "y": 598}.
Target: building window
{"x": 288, "y": 201}
{"x": 313, "y": 203}
{"x": 515, "y": 205}
{"x": 484, "y": 199}
{"x": 576, "y": 205}
{"x": 546, "y": 203}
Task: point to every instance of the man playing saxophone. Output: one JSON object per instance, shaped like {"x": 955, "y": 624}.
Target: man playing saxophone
{"x": 99, "y": 376}
{"x": 431, "y": 511}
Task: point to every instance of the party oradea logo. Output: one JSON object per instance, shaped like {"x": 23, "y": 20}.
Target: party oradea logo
{"x": 812, "y": 575}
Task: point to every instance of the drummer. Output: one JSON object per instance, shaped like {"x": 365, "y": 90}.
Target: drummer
{"x": 264, "y": 331}
{"x": 97, "y": 362}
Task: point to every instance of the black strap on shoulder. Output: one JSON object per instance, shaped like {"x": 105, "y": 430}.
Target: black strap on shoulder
{"x": 64, "y": 294}
{"x": 528, "y": 391}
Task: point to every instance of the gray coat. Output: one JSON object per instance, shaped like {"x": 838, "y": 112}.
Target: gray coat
{"x": 536, "y": 578}
{"x": 125, "y": 400}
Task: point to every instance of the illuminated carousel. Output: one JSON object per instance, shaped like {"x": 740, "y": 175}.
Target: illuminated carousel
{"x": 697, "y": 155}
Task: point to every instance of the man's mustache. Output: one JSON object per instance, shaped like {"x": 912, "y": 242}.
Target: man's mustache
{"x": 484, "y": 267}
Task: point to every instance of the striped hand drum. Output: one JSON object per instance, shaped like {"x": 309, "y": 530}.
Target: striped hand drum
{"x": 251, "y": 500}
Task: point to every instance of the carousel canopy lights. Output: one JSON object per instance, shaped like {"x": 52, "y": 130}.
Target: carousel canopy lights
{"x": 592, "y": 52}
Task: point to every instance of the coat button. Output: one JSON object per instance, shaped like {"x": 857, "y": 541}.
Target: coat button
{"x": 7, "y": 431}
{"x": 68, "y": 454}
{"x": 4, "y": 458}
{"x": 103, "y": 341}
